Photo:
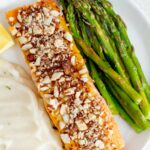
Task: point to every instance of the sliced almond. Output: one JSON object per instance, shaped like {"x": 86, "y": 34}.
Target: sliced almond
{"x": 62, "y": 79}
{"x": 68, "y": 36}
{"x": 37, "y": 30}
{"x": 33, "y": 50}
{"x": 82, "y": 142}
{"x": 44, "y": 89}
{"x": 63, "y": 109}
{"x": 14, "y": 32}
{"x": 46, "y": 11}
{"x": 66, "y": 118}
{"x": 17, "y": 25}
{"x": 81, "y": 125}
{"x": 73, "y": 60}
{"x": 46, "y": 80}
{"x": 19, "y": 17}
{"x": 92, "y": 117}
{"x": 70, "y": 91}
{"x": 59, "y": 43}
{"x": 99, "y": 144}
{"x": 77, "y": 95}
{"x": 38, "y": 61}
{"x": 84, "y": 79}
{"x": 48, "y": 21}
{"x": 49, "y": 30}
{"x": 54, "y": 103}
{"x": 27, "y": 46}
{"x": 56, "y": 92}
{"x": 23, "y": 40}
{"x": 100, "y": 121}
{"x": 54, "y": 13}
{"x": 65, "y": 138}
{"x": 77, "y": 102}
{"x": 83, "y": 70}
{"x": 56, "y": 76}
{"x": 62, "y": 125}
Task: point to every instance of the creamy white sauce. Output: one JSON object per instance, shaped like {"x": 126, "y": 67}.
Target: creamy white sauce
{"x": 24, "y": 124}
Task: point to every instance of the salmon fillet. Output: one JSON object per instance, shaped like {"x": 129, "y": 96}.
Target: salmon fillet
{"x": 71, "y": 100}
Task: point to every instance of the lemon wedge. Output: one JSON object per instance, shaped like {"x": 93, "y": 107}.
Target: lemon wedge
{"x": 5, "y": 39}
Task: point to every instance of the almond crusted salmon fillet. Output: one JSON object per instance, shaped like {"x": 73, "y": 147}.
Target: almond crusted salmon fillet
{"x": 74, "y": 105}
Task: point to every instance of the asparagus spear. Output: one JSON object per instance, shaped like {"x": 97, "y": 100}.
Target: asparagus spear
{"x": 131, "y": 108}
{"x": 72, "y": 21}
{"x": 123, "y": 32}
{"x": 99, "y": 83}
{"x": 89, "y": 52}
{"x": 96, "y": 45}
{"x": 125, "y": 116}
{"x": 130, "y": 66}
{"x": 103, "y": 24}
{"x": 83, "y": 30}
{"x": 102, "y": 88}
{"x": 84, "y": 8}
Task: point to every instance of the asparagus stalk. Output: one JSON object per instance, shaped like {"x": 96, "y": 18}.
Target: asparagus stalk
{"x": 96, "y": 45}
{"x": 103, "y": 24}
{"x": 102, "y": 88}
{"x": 99, "y": 49}
{"x": 123, "y": 32}
{"x": 99, "y": 83}
{"x": 89, "y": 52}
{"x": 84, "y": 8}
{"x": 83, "y": 30}
{"x": 131, "y": 108}
{"x": 130, "y": 66}
{"x": 125, "y": 116}
{"x": 72, "y": 21}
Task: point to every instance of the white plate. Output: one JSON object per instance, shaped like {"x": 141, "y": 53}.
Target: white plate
{"x": 139, "y": 32}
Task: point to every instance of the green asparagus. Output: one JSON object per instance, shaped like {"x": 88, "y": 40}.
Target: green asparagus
{"x": 103, "y": 22}
{"x": 101, "y": 87}
{"x": 130, "y": 66}
{"x": 131, "y": 108}
{"x": 123, "y": 32}
{"x": 84, "y": 8}
{"x": 96, "y": 45}
{"x": 125, "y": 116}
